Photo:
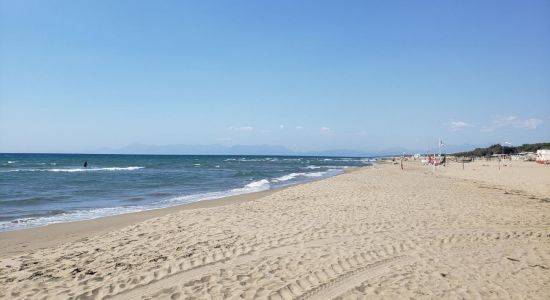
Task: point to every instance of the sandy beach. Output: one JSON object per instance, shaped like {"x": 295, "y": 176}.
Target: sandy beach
{"x": 375, "y": 232}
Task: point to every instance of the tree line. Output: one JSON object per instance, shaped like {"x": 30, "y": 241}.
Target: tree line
{"x": 499, "y": 149}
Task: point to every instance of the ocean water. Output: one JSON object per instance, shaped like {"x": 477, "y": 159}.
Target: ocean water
{"x": 41, "y": 189}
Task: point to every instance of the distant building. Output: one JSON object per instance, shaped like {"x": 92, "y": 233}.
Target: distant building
{"x": 543, "y": 156}
{"x": 525, "y": 156}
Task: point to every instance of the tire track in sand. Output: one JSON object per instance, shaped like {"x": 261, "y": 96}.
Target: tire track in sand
{"x": 347, "y": 281}
{"x": 334, "y": 286}
{"x": 196, "y": 273}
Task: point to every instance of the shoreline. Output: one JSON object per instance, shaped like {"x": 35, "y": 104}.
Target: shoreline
{"x": 30, "y": 239}
{"x": 380, "y": 232}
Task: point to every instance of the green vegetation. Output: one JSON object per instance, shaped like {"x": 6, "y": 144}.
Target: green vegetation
{"x": 499, "y": 149}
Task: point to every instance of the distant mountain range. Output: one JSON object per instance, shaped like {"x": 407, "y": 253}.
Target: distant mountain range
{"x": 216, "y": 149}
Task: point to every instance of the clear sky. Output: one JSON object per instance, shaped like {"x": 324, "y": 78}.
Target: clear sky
{"x": 307, "y": 75}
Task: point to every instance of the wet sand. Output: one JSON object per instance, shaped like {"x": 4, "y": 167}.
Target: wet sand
{"x": 19, "y": 241}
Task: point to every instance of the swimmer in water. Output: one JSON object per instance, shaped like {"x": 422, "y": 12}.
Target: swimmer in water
{"x": 85, "y": 164}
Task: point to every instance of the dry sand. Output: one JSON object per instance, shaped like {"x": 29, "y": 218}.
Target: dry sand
{"x": 513, "y": 175}
{"x": 378, "y": 232}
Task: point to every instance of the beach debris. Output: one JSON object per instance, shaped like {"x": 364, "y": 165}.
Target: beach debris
{"x": 36, "y": 274}
{"x": 160, "y": 257}
{"x": 539, "y": 266}
{"x": 123, "y": 265}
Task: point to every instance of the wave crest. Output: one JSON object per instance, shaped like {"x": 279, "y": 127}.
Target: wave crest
{"x": 96, "y": 169}
{"x": 294, "y": 175}
{"x": 255, "y": 186}
{"x": 71, "y": 170}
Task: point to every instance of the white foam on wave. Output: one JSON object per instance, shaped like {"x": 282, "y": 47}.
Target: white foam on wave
{"x": 77, "y": 215}
{"x": 287, "y": 177}
{"x": 315, "y": 174}
{"x": 21, "y": 170}
{"x": 255, "y": 186}
{"x": 244, "y": 159}
{"x": 294, "y": 175}
{"x": 95, "y": 169}
{"x": 71, "y": 170}
{"x": 312, "y": 167}
{"x": 337, "y": 167}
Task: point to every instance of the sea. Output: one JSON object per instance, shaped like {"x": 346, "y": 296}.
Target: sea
{"x": 41, "y": 189}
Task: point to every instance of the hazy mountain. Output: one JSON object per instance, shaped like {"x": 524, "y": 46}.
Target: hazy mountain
{"x": 216, "y": 149}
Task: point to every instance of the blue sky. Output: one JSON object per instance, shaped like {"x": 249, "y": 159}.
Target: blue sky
{"x": 308, "y": 75}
